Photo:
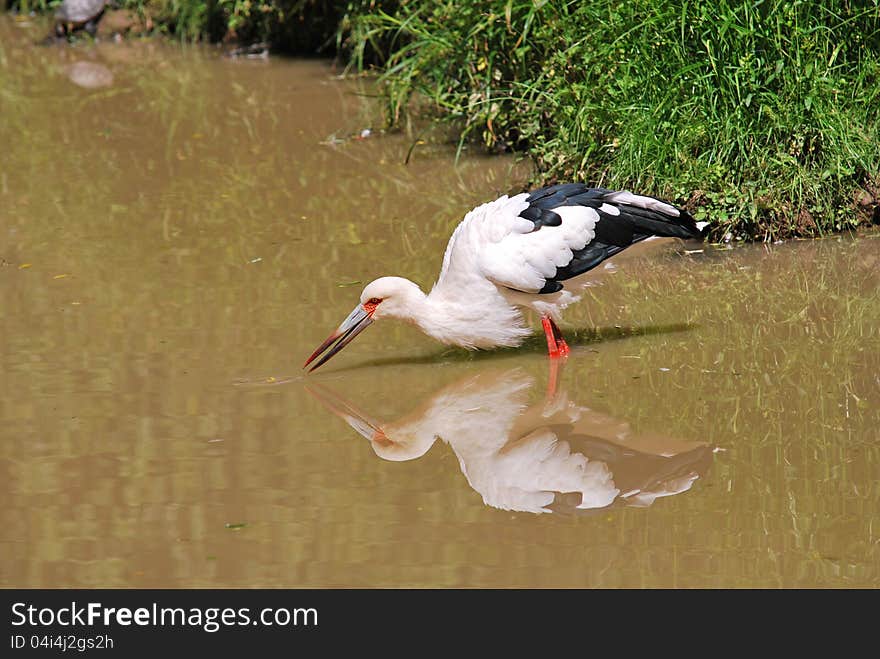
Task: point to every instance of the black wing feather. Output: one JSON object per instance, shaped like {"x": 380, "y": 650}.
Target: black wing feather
{"x": 614, "y": 233}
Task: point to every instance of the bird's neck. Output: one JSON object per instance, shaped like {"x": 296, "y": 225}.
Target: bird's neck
{"x": 474, "y": 316}
{"x": 469, "y": 319}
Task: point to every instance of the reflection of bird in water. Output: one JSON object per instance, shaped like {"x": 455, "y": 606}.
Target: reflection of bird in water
{"x": 75, "y": 14}
{"x": 530, "y": 251}
{"x": 539, "y": 458}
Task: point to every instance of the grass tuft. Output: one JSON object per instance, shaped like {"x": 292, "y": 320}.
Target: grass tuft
{"x": 762, "y": 116}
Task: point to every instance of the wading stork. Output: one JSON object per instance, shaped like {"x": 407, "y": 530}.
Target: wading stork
{"x": 526, "y": 251}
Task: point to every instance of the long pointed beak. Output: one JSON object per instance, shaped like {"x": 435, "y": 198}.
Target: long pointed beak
{"x": 358, "y": 320}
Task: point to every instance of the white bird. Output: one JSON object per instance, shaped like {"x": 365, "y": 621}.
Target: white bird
{"x": 555, "y": 455}
{"x": 529, "y": 251}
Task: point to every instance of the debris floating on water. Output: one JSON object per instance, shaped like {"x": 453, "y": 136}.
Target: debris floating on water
{"x": 334, "y": 139}
{"x": 253, "y": 51}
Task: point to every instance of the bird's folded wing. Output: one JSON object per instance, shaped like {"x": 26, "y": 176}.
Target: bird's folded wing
{"x": 524, "y": 258}
{"x": 533, "y": 242}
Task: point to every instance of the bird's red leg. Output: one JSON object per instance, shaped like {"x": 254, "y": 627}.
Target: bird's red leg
{"x": 552, "y": 347}
{"x": 556, "y": 345}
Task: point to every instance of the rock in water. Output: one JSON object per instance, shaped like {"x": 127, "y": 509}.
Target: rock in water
{"x": 89, "y": 75}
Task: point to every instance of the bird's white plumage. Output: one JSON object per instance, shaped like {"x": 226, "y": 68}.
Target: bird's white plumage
{"x": 527, "y": 251}
{"x": 494, "y": 243}
{"x": 524, "y": 260}
{"x": 502, "y": 262}
{"x": 485, "y": 225}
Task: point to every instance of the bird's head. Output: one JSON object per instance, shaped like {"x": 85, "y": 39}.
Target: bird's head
{"x": 390, "y": 297}
{"x": 386, "y": 297}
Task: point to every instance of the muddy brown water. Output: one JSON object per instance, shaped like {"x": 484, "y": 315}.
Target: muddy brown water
{"x": 178, "y": 231}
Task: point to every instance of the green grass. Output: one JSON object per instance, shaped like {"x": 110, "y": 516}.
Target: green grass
{"x": 761, "y": 116}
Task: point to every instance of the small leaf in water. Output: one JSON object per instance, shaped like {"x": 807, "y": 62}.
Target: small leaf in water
{"x": 25, "y": 265}
{"x": 61, "y": 276}
{"x": 237, "y": 526}
{"x": 345, "y": 284}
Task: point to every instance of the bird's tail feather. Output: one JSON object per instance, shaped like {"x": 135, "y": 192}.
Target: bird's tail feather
{"x": 639, "y": 217}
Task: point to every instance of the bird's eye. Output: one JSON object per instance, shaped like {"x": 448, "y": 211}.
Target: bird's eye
{"x": 374, "y": 301}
